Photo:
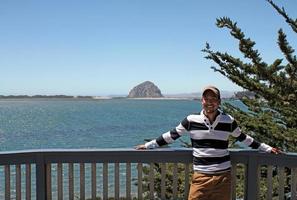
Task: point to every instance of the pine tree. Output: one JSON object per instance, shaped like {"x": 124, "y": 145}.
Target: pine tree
{"x": 272, "y": 116}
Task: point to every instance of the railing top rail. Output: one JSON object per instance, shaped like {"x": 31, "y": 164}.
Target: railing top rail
{"x": 95, "y": 150}
{"x": 121, "y": 155}
{"x": 162, "y": 155}
{"x": 244, "y": 156}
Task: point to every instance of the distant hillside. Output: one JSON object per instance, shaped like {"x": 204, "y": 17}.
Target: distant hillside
{"x": 146, "y": 89}
{"x": 197, "y": 95}
{"x": 247, "y": 94}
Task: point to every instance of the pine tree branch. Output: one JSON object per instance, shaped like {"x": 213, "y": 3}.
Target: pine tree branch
{"x": 288, "y": 51}
{"x": 261, "y": 69}
{"x": 245, "y": 45}
{"x": 282, "y": 12}
{"x": 226, "y": 67}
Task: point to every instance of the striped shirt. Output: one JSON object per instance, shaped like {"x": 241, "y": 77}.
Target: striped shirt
{"x": 209, "y": 141}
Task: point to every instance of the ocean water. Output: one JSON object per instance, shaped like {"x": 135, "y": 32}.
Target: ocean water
{"x": 117, "y": 123}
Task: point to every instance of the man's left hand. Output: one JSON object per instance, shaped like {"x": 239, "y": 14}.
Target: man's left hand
{"x": 276, "y": 151}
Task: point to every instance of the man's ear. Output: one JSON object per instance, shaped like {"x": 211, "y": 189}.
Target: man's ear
{"x": 202, "y": 99}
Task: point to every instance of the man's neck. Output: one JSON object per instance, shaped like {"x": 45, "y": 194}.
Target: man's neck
{"x": 211, "y": 116}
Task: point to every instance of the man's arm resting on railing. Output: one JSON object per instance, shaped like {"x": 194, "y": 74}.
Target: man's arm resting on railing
{"x": 251, "y": 142}
{"x": 149, "y": 145}
{"x": 266, "y": 148}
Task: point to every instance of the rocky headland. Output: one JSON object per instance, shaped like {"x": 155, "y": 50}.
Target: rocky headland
{"x": 146, "y": 89}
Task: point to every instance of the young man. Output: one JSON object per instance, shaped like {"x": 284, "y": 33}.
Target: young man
{"x": 209, "y": 132}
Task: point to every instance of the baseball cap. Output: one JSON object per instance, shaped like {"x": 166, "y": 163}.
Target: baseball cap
{"x": 213, "y": 89}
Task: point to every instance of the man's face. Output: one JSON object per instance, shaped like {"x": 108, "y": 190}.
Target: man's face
{"x": 210, "y": 102}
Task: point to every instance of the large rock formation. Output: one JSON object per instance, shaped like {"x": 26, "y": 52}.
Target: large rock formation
{"x": 146, "y": 89}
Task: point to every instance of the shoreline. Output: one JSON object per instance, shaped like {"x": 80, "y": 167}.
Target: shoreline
{"x": 107, "y": 98}
{"x": 91, "y": 99}
{"x": 162, "y": 98}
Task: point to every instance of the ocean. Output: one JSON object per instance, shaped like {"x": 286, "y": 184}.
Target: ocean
{"x": 116, "y": 123}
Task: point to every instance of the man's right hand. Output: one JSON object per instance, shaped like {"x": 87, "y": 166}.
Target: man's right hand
{"x": 140, "y": 147}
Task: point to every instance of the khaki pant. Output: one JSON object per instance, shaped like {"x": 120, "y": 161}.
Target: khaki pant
{"x": 210, "y": 186}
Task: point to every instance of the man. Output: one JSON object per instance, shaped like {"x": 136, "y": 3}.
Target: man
{"x": 209, "y": 132}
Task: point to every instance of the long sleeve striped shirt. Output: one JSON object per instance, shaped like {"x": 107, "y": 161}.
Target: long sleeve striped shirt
{"x": 209, "y": 141}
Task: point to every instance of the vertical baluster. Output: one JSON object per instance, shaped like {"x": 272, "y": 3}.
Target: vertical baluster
{"x": 128, "y": 180}
{"x": 175, "y": 178}
{"x": 233, "y": 181}
{"x": 252, "y": 172}
{"x": 82, "y": 181}
{"x": 49, "y": 181}
{"x": 105, "y": 181}
{"x": 94, "y": 184}
{"x": 258, "y": 171}
{"x": 163, "y": 176}
{"x": 60, "y": 181}
{"x": 294, "y": 183}
{"x": 117, "y": 180}
{"x": 7, "y": 182}
{"x": 269, "y": 182}
{"x": 18, "y": 182}
{"x": 187, "y": 181}
{"x": 28, "y": 181}
{"x": 71, "y": 181}
{"x": 139, "y": 170}
{"x": 281, "y": 175}
{"x": 151, "y": 178}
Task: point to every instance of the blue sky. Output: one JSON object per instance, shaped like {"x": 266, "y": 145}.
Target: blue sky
{"x": 103, "y": 47}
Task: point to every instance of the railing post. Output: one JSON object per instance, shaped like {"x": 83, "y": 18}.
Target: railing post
{"x": 252, "y": 178}
{"x": 40, "y": 177}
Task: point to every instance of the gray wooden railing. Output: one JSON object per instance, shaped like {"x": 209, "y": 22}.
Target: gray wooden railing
{"x": 52, "y": 174}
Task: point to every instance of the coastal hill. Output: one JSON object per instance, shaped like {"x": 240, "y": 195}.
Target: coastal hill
{"x": 197, "y": 95}
{"x": 146, "y": 89}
